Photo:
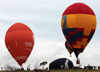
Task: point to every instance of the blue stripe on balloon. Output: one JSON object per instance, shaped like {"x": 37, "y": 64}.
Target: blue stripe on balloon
{"x": 90, "y": 36}
{"x": 65, "y": 31}
{"x": 73, "y": 38}
{"x": 65, "y": 22}
{"x": 79, "y": 34}
{"x": 69, "y": 48}
{"x": 71, "y": 29}
{"x": 69, "y": 40}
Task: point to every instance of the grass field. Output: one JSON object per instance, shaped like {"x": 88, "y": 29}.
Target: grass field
{"x": 65, "y": 70}
{"x": 75, "y": 70}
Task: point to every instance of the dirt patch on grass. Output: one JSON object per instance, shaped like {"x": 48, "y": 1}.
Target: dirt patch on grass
{"x": 42, "y": 71}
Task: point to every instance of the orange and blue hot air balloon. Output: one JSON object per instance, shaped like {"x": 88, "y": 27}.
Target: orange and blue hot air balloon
{"x": 68, "y": 47}
{"x": 78, "y": 24}
{"x": 19, "y": 40}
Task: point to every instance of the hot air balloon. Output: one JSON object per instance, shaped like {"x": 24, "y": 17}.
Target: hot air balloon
{"x": 19, "y": 40}
{"x": 61, "y": 63}
{"x": 78, "y": 24}
{"x": 68, "y": 47}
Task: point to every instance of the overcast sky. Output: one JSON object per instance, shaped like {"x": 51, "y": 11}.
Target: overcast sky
{"x": 44, "y": 18}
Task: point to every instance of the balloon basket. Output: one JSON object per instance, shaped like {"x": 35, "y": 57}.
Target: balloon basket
{"x": 77, "y": 61}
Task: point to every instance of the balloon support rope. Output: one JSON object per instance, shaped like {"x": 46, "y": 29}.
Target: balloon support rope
{"x": 70, "y": 55}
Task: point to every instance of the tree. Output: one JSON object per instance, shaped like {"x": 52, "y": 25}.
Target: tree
{"x": 43, "y": 64}
{"x": 28, "y": 67}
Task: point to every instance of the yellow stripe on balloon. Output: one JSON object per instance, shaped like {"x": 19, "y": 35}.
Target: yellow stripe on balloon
{"x": 81, "y": 20}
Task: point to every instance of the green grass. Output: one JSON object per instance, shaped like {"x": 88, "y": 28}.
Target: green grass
{"x": 65, "y": 70}
{"x": 75, "y": 70}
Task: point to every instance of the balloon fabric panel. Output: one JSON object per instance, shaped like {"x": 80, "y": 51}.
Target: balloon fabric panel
{"x": 78, "y": 8}
{"x": 68, "y": 47}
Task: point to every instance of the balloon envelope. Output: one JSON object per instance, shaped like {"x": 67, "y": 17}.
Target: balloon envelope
{"x": 68, "y": 47}
{"x": 19, "y": 40}
{"x": 58, "y": 63}
{"x": 78, "y": 24}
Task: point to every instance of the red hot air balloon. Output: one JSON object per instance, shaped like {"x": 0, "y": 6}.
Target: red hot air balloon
{"x": 78, "y": 25}
{"x": 19, "y": 40}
